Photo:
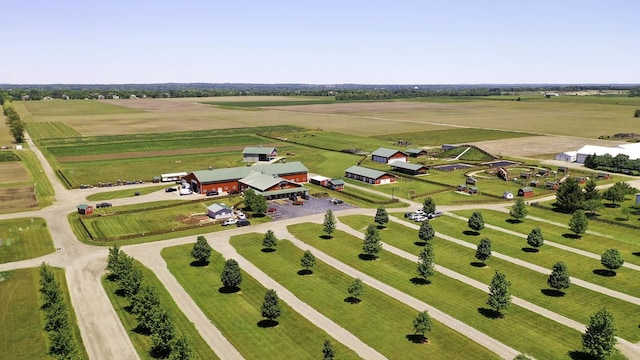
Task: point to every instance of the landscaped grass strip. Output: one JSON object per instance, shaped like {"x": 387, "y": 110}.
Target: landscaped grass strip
{"x": 237, "y": 315}
{"x": 453, "y": 297}
{"x": 24, "y": 238}
{"x": 326, "y": 290}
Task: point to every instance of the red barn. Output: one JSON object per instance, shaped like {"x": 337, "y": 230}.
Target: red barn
{"x": 370, "y": 176}
{"x": 387, "y": 156}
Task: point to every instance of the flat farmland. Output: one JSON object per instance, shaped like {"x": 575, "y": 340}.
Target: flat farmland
{"x": 74, "y": 107}
{"x": 47, "y": 130}
{"x": 12, "y": 172}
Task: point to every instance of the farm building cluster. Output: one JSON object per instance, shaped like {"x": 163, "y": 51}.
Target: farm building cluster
{"x": 632, "y": 150}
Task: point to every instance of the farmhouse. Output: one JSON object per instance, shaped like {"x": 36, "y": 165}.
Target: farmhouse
{"x": 405, "y": 167}
{"x": 219, "y": 211}
{"x": 258, "y": 153}
{"x": 228, "y": 179}
{"x": 84, "y": 209}
{"x": 525, "y": 192}
{"x": 370, "y": 176}
{"x": 413, "y": 152}
{"x": 387, "y": 156}
{"x": 336, "y": 184}
{"x": 568, "y": 156}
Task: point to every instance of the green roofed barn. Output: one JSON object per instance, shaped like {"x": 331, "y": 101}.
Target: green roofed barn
{"x": 387, "y": 156}
{"x": 370, "y": 176}
{"x": 259, "y": 153}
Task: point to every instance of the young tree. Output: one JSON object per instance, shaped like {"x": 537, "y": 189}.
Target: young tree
{"x": 163, "y": 332}
{"x": 425, "y": 267}
{"x": 476, "y": 222}
{"x": 201, "y": 250}
{"x": 569, "y": 196}
{"x": 422, "y": 324}
{"x": 356, "y": 289}
{"x": 559, "y": 277}
{"x": 371, "y": 245}
{"x": 600, "y": 336}
{"x": 519, "y": 210}
{"x": 308, "y": 261}
{"x": 592, "y": 205}
{"x": 381, "y": 216}
{"x": 612, "y": 259}
{"x": 270, "y": 306}
{"x": 578, "y": 223}
{"x": 615, "y": 194}
{"x": 428, "y": 206}
{"x": 231, "y": 276}
{"x": 141, "y": 302}
{"x": 329, "y": 225}
{"x": 535, "y": 239}
{"x": 483, "y": 253}
{"x": 591, "y": 192}
{"x": 114, "y": 261}
{"x": 499, "y": 296}
{"x": 327, "y": 351}
{"x": 181, "y": 349}
{"x": 259, "y": 205}
{"x": 249, "y": 198}
{"x": 426, "y": 232}
{"x": 270, "y": 240}
{"x": 131, "y": 282}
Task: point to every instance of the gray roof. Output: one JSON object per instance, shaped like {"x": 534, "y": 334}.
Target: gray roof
{"x": 260, "y": 181}
{"x": 407, "y": 166}
{"x": 336, "y": 181}
{"x": 258, "y": 150}
{"x": 282, "y": 191}
{"x": 415, "y": 151}
{"x": 236, "y": 173}
{"x": 366, "y": 172}
{"x": 384, "y": 152}
{"x": 218, "y": 207}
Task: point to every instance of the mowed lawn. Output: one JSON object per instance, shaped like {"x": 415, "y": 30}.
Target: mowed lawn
{"x": 326, "y": 291}
{"x": 237, "y": 315}
{"x": 461, "y": 301}
{"x": 24, "y": 238}
{"x": 578, "y": 303}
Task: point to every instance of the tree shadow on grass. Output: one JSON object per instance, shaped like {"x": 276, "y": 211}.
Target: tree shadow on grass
{"x": 419, "y": 281}
{"x": 381, "y": 227}
{"x": 490, "y": 313}
{"x": 352, "y": 300}
{"x": 268, "y": 250}
{"x": 305, "y": 272}
{"x": 420, "y": 243}
{"x": 580, "y": 355}
{"x": 611, "y": 206}
{"x": 228, "y": 289}
{"x": 471, "y": 232}
{"x": 477, "y": 264}
{"x": 198, "y": 263}
{"x": 552, "y": 292}
{"x": 530, "y": 250}
{"x": 259, "y": 215}
{"x": 120, "y": 293}
{"x": 571, "y": 236}
{"x": 514, "y": 221}
{"x": 266, "y": 323}
{"x": 416, "y": 338}
{"x": 142, "y": 330}
{"x": 637, "y": 253}
{"x": 367, "y": 257}
{"x": 325, "y": 237}
{"x": 604, "y": 272}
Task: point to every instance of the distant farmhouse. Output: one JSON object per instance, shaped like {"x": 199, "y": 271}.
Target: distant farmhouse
{"x": 387, "y": 156}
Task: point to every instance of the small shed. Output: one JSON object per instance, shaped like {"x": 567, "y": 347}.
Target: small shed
{"x": 472, "y": 190}
{"x": 525, "y": 175}
{"x": 336, "y": 184}
{"x": 525, "y": 192}
{"x": 84, "y": 209}
{"x": 219, "y": 211}
{"x": 563, "y": 169}
{"x": 471, "y": 180}
{"x": 508, "y": 195}
{"x": 319, "y": 180}
{"x": 580, "y": 179}
{"x": 462, "y": 188}
{"x": 413, "y": 152}
{"x": 603, "y": 176}
{"x": 534, "y": 183}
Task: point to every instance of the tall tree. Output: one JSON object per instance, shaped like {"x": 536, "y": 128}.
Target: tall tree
{"x": 329, "y": 225}
{"x": 559, "y": 278}
{"x": 270, "y": 241}
{"x": 270, "y": 306}
{"x": 327, "y": 352}
{"x": 499, "y": 295}
{"x": 591, "y": 191}
{"x": 483, "y": 252}
{"x": 426, "y": 232}
{"x": 381, "y": 216}
{"x": 599, "y": 338}
{"x": 308, "y": 261}
{"x": 569, "y": 196}
{"x": 535, "y": 238}
{"x": 426, "y": 265}
{"x": 249, "y": 198}
{"x": 422, "y": 324}
{"x": 519, "y": 210}
{"x": 612, "y": 259}
{"x": 181, "y": 349}
{"x": 615, "y": 194}
{"x": 476, "y": 222}
{"x": 428, "y": 206}
{"x": 231, "y": 276}
{"x": 201, "y": 250}
{"x": 578, "y": 223}
{"x": 163, "y": 333}
{"x": 17, "y": 130}
{"x": 371, "y": 245}
{"x": 356, "y": 289}
{"x": 259, "y": 205}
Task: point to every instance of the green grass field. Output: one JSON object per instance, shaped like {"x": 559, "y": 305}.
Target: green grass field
{"x": 577, "y": 304}
{"x": 50, "y": 130}
{"x": 553, "y": 341}
{"x": 43, "y": 188}
{"x": 237, "y": 315}
{"x": 142, "y": 342}
{"x": 74, "y": 107}
{"x": 24, "y": 238}
{"x": 325, "y": 290}
{"x": 451, "y": 136}
{"x": 124, "y": 193}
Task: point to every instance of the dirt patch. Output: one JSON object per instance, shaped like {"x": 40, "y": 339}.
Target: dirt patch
{"x": 17, "y": 198}
{"x": 12, "y": 172}
{"x": 160, "y": 105}
{"x": 538, "y": 145}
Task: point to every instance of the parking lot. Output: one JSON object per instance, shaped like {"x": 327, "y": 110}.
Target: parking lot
{"x": 286, "y": 210}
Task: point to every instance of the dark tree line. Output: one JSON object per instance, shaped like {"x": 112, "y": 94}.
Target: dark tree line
{"x": 618, "y": 163}
{"x": 16, "y": 126}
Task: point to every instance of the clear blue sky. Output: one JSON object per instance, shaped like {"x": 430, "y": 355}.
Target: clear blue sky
{"x": 320, "y": 42}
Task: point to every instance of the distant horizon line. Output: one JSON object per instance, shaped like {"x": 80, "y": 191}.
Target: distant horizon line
{"x": 321, "y": 84}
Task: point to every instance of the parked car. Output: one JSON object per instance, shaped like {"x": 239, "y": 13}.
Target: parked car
{"x": 170, "y": 189}
{"x": 298, "y": 202}
{"x": 336, "y": 201}
{"x": 408, "y": 214}
{"x": 241, "y": 216}
{"x": 243, "y": 222}
{"x": 435, "y": 214}
{"x": 305, "y": 196}
{"x": 420, "y": 212}
{"x": 272, "y": 210}
{"x": 103, "y": 205}
{"x": 234, "y": 192}
{"x": 212, "y": 193}
{"x": 137, "y": 193}
{"x": 230, "y": 221}
{"x": 420, "y": 218}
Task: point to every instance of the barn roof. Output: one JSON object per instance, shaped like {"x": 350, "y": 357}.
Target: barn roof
{"x": 214, "y": 208}
{"x": 236, "y": 173}
{"x": 384, "y": 152}
{"x": 336, "y": 182}
{"x": 260, "y": 181}
{"x": 365, "y": 172}
{"x": 415, "y": 151}
{"x": 527, "y": 189}
{"x": 407, "y": 166}
{"x": 259, "y": 150}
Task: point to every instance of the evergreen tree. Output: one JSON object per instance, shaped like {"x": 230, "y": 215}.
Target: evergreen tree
{"x": 612, "y": 259}
{"x": 590, "y": 191}
{"x": 426, "y": 232}
{"x": 270, "y": 241}
{"x": 499, "y": 295}
{"x": 181, "y": 349}
{"x": 559, "y": 277}
{"x": 599, "y": 338}
{"x": 483, "y": 252}
{"x": 569, "y": 196}
{"x": 329, "y": 225}
{"x": 428, "y": 206}
{"x": 327, "y": 351}
{"x": 422, "y": 324}
{"x": 231, "y": 276}
{"x": 201, "y": 250}
{"x": 426, "y": 266}
{"x": 381, "y": 216}
{"x": 519, "y": 210}
{"x": 270, "y": 306}
{"x": 476, "y": 222}
{"x": 535, "y": 239}
{"x": 131, "y": 282}
{"x": 578, "y": 223}
{"x": 371, "y": 245}
{"x": 356, "y": 289}
{"x": 308, "y": 261}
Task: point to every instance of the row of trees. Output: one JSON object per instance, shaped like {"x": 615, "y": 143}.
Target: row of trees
{"x": 16, "y": 126}
{"x": 63, "y": 344}
{"x": 154, "y": 318}
{"x": 570, "y": 197}
{"x": 618, "y": 163}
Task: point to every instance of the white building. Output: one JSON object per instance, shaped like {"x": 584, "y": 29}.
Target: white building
{"x": 568, "y": 156}
{"x": 632, "y": 150}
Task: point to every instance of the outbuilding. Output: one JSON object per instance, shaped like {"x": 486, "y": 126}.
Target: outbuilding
{"x": 336, "y": 184}
{"x": 259, "y": 153}
{"x": 319, "y": 180}
{"x": 172, "y": 176}
{"x": 508, "y": 195}
{"x": 387, "y": 156}
{"x": 219, "y": 211}
{"x": 525, "y": 192}
{"x": 414, "y": 152}
{"x": 369, "y": 176}
{"x": 567, "y": 156}
{"x": 409, "y": 168}
{"x": 84, "y": 209}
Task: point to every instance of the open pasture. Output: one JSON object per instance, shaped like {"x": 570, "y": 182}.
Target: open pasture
{"x": 451, "y": 136}
{"x": 74, "y": 107}
{"x": 24, "y": 238}
{"x": 50, "y": 130}
{"x": 12, "y": 172}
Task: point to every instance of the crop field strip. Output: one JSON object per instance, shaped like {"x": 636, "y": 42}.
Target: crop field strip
{"x": 13, "y": 172}
{"x": 325, "y": 290}
{"x": 577, "y": 304}
{"x": 50, "y": 130}
{"x": 74, "y": 107}
{"x": 450, "y": 296}
{"x": 237, "y": 315}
